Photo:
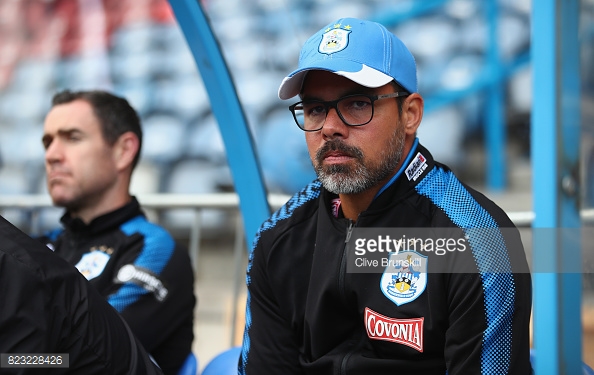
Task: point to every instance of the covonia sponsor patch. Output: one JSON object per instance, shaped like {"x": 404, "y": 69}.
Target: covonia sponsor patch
{"x": 407, "y": 332}
{"x": 416, "y": 167}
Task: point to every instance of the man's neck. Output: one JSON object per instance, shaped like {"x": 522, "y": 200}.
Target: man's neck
{"x": 88, "y": 214}
{"x": 353, "y": 204}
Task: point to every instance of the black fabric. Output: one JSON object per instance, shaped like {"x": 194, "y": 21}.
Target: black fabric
{"x": 47, "y": 306}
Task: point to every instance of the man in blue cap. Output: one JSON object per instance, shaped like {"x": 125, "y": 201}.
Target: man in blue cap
{"x": 335, "y": 284}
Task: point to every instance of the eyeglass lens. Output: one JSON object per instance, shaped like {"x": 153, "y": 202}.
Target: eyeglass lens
{"x": 353, "y": 110}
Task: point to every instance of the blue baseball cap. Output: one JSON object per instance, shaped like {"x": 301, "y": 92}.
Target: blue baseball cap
{"x": 363, "y": 51}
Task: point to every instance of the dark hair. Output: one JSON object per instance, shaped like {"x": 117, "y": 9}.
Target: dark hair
{"x": 114, "y": 113}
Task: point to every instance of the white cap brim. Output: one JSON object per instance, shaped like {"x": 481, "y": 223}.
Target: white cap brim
{"x": 366, "y": 76}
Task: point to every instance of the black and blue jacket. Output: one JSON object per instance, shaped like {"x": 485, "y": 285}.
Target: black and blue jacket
{"x": 141, "y": 271}
{"x": 463, "y": 312}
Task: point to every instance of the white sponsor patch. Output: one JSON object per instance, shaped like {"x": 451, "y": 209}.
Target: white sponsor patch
{"x": 143, "y": 278}
{"x": 407, "y": 332}
{"x": 416, "y": 167}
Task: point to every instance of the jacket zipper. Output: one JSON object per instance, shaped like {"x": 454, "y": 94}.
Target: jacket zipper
{"x": 341, "y": 287}
{"x": 343, "y": 262}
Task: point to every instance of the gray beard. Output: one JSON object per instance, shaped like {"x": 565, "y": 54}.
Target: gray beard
{"x": 344, "y": 179}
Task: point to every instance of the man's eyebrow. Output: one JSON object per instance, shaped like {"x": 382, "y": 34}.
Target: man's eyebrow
{"x": 69, "y": 131}
{"x": 60, "y": 133}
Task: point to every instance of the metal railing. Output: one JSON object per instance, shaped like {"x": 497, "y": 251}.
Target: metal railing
{"x": 156, "y": 203}
{"x": 199, "y": 202}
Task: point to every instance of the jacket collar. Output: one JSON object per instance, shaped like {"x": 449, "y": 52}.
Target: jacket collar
{"x": 101, "y": 223}
{"x": 417, "y": 164}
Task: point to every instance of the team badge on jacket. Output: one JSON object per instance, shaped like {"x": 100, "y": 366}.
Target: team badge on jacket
{"x": 92, "y": 264}
{"x": 335, "y": 39}
{"x": 405, "y": 277}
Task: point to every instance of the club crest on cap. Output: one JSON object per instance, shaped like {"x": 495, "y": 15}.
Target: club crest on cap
{"x": 335, "y": 39}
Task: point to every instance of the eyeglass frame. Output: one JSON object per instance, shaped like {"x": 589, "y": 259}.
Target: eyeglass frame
{"x": 334, "y": 104}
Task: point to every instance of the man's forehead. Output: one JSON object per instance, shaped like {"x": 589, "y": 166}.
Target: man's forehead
{"x": 72, "y": 116}
{"x": 318, "y": 82}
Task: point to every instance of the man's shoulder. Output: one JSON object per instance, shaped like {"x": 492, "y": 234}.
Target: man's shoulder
{"x": 140, "y": 224}
{"x": 299, "y": 207}
{"x": 458, "y": 200}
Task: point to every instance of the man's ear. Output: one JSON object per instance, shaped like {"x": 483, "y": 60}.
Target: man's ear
{"x": 412, "y": 113}
{"x": 125, "y": 150}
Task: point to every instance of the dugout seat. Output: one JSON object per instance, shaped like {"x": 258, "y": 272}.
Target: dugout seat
{"x": 190, "y": 366}
{"x": 225, "y": 363}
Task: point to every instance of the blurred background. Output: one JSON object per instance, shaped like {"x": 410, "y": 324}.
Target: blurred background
{"x": 136, "y": 49}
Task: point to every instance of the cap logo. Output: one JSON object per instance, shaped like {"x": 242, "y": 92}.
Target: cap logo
{"x": 335, "y": 39}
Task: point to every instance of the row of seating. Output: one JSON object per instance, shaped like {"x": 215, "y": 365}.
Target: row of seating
{"x": 149, "y": 63}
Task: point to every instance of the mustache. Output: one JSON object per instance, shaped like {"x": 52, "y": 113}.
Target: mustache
{"x": 337, "y": 145}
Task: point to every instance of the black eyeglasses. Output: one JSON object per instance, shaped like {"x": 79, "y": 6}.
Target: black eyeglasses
{"x": 353, "y": 110}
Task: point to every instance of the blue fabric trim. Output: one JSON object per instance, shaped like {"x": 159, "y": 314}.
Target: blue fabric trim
{"x": 402, "y": 168}
{"x": 53, "y": 235}
{"x": 154, "y": 256}
{"x": 490, "y": 254}
{"x": 311, "y": 191}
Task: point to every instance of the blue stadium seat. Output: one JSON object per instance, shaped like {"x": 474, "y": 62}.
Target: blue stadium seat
{"x": 197, "y": 177}
{"x": 164, "y": 135}
{"x": 204, "y": 141}
{"x": 190, "y": 366}
{"x": 283, "y": 153}
{"x": 225, "y": 363}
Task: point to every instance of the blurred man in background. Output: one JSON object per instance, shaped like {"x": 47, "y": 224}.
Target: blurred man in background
{"x": 92, "y": 143}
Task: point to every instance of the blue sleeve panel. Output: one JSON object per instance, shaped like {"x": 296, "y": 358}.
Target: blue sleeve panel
{"x": 491, "y": 257}
{"x": 53, "y": 235}
{"x": 156, "y": 252}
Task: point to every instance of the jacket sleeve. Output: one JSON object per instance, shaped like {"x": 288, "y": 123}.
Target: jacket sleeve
{"x": 269, "y": 344}
{"x": 489, "y": 315}
{"x": 162, "y": 322}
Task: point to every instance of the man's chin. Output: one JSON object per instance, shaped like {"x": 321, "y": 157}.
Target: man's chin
{"x": 60, "y": 200}
{"x": 342, "y": 170}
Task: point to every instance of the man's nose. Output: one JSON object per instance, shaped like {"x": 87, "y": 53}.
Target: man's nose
{"x": 334, "y": 127}
{"x": 53, "y": 152}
